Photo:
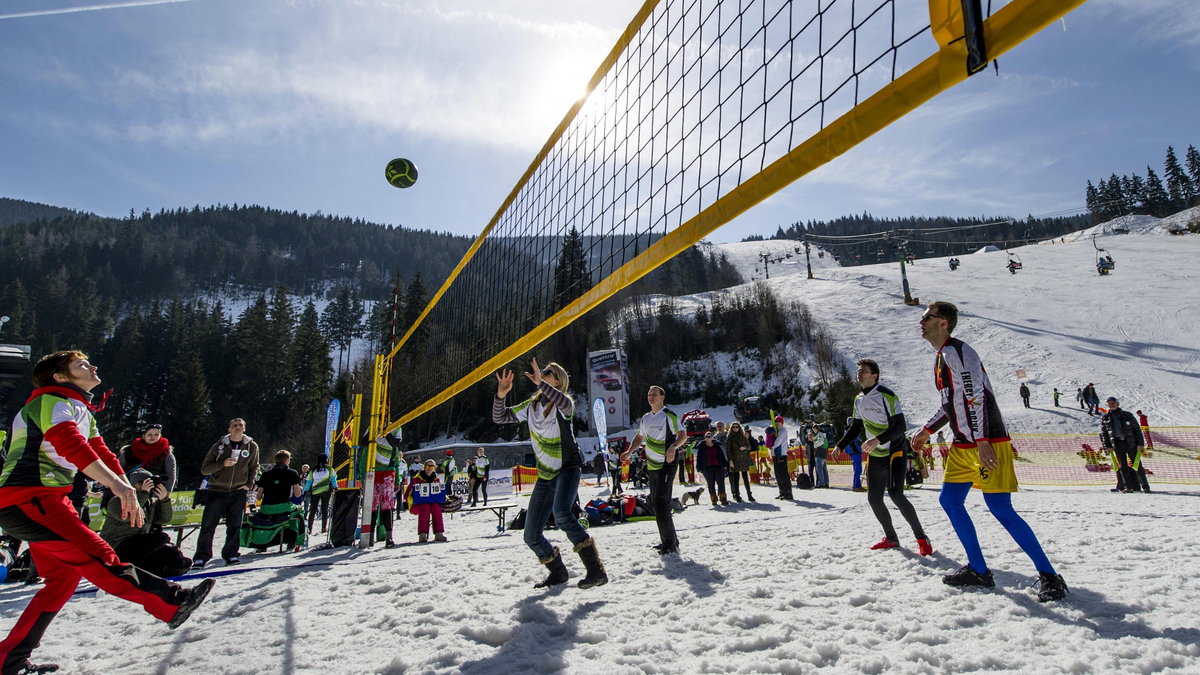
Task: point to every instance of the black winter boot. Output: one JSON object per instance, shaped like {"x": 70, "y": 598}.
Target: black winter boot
{"x": 558, "y": 571}
{"x": 31, "y": 667}
{"x": 596, "y": 575}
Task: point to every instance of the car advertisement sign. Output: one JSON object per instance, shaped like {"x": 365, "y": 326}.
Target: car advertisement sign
{"x": 608, "y": 381}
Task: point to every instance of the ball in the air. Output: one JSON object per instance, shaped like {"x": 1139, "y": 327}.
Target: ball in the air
{"x": 401, "y": 173}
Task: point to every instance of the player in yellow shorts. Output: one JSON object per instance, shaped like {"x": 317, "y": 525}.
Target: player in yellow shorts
{"x": 962, "y": 466}
{"x": 982, "y": 454}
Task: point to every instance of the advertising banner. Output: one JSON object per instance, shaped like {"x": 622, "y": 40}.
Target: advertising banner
{"x": 331, "y": 422}
{"x": 609, "y": 382}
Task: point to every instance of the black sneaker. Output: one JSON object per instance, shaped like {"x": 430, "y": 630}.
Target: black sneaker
{"x": 1051, "y": 587}
{"x": 199, "y": 564}
{"x": 191, "y": 600}
{"x": 965, "y": 576}
{"x": 233, "y": 560}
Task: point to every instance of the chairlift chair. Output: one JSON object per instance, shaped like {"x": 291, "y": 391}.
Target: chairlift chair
{"x": 1104, "y": 260}
{"x": 1014, "y": 262}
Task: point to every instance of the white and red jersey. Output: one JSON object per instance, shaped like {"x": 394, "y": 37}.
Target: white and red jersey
{"x": 968, "y": 402}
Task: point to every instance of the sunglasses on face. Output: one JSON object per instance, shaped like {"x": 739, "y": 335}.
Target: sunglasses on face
{"x": 926, "y": 317}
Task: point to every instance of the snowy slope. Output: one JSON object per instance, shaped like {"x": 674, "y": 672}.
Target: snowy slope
{"x": 1132, "y": 333}
{"x": 747, "y": 257}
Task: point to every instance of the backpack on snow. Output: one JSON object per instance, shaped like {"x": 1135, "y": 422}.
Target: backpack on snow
{"x": 803, "y": 482}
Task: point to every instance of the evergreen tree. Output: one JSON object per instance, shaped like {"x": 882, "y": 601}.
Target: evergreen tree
{"x": 1193, "y": 167}
{"x": 1156, "y": 195}
{"x": 281, "y": 381}
{"x": 256, "y": 352}
{"x": 571, "y": 276}
{"x": 1118, "y": 202}
{"x": 1179, "y": 186}
{"x": 416, "y": 297}
{"x": 1137, "y": 191}
{"x": 1093, "y": 202}
{"x": 341, "y": 321}
{"x": 313, "y": 373}
{"x": 186, "y": 417}
{"x": 572, "y": 279}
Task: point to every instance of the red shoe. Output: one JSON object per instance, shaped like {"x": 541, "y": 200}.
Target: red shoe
{"x": 885, "y": 543}
{"x": 924, "y": 546}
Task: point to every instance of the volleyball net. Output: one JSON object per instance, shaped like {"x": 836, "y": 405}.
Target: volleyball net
{"x": 702, "y": 109}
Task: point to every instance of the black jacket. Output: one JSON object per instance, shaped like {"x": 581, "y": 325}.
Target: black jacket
{"x": 1120, "y": 429}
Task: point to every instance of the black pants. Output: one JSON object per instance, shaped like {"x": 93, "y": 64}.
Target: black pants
{"x": 230, "y": 506}
{"x": 384, "y": 517}
{"x": 323, "y": 500}
{"x": 476, "y": 485}
{"x": 661, "y": 481}
{"x": 715, "y": 477}
{"x": 1128, "y": 477}
{"x": 1026, "y": 400}
{"x": 886, "y": 474}
{"x": 616, "y": 480}
{"x": 733, "y": 483}
{"x": 154, "y": 552}
{"x": 782, "y": 478}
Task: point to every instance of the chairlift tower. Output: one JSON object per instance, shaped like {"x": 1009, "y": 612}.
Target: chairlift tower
{"x": 767, "y": 259}
{"x": 807, "y": 257}
{"x": 908, "y": 299}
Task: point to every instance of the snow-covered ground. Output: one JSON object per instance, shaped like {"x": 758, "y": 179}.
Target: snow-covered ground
{"x": 771, "y": 587}
{"x": 1133, "y": 333}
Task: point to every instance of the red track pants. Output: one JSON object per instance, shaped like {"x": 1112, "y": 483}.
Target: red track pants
{"x": 65, "y": 550}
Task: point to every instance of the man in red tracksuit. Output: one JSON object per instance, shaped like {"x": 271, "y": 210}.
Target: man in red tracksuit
{"x": 53, "y": 436}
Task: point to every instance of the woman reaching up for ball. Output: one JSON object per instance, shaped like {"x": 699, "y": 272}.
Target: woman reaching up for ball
{"x": 560, "y": 466}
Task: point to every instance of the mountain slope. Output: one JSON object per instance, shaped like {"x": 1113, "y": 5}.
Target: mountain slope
{"x": 1132, "y": 333}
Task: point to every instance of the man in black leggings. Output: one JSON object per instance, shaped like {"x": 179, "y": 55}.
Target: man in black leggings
{"x": 877, "y": 413}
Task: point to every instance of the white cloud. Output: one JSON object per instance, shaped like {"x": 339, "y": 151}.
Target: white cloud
{"x": 1156, "y": 20}
{"x": 461, "y": 76}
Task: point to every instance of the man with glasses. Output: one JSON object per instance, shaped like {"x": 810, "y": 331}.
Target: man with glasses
{"x": 1121, "y": 435}
{"x": 981, "y": 455}
{"x": 662, "y": 435}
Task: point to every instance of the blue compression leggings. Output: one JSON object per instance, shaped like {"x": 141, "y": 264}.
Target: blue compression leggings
{"x": 953, "y": 500}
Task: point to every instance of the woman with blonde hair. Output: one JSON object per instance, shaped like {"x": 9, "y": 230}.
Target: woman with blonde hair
{"x": 549, "y": 413}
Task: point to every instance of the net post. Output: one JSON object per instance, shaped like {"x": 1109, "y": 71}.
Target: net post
{"x": 374, "y": 422}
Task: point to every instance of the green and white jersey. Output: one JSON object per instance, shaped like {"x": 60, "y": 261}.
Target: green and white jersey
{"x": 321, "y": 481}
{"x": 874, "y": 408}
{"x": 481, "y": 466}
{"x": 544, "y": 431}
{"x": 32, "y": 459}
{"x": 389, "y": 459}
{"x": 659, "y": 429}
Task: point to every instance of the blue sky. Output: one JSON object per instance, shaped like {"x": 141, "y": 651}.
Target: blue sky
{"x": 298, "y": 105}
